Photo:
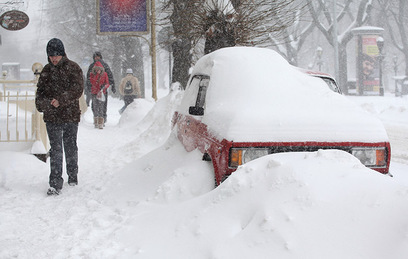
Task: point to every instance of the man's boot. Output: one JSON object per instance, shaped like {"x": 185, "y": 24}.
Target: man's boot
{"x": 100, "y": 122}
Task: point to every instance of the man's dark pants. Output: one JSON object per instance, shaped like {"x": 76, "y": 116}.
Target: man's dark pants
{"x": 63, "y": 138}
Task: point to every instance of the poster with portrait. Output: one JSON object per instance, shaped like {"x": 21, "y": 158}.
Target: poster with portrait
{"x": 122, "y": 17}
{"x": 368, "y": 65}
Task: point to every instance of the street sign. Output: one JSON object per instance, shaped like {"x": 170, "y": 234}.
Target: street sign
{"x": 121, "y": 17}
{"x": 14, "y": 20}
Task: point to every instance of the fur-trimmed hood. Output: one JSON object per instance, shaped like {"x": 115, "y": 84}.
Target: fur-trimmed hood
{"x": 98, "y": 65}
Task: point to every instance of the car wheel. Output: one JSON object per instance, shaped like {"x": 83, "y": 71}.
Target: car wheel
{"x": 206, "y": 157}
{"x": 224, "y": 177}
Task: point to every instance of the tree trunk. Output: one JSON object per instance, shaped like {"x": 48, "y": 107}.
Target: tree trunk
{"x": 181, "y": 47}
{"x": 116, "y": 64}
{"x": 343, "y": 68}
{"x": 182, "y": 61}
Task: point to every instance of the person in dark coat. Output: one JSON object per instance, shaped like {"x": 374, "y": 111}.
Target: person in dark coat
{"x": 59, "y": 89}
{"x": 97, "y": 56}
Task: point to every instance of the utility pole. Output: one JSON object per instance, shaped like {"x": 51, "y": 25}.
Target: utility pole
{"x": 335, "y": 42}
{"x": 395, "y": 61}
{"x": 153, "y": 46}
{"x": 380, "y": 44}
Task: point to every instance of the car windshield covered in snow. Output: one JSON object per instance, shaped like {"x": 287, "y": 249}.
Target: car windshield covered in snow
{"x": 327, "y": 78}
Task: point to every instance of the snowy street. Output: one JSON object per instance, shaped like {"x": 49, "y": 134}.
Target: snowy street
{"x": 260, "y": 129}
{"x": 67, "y": 225}
{"x": 123, "y": 209}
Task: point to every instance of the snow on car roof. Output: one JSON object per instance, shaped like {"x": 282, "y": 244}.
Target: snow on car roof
{"x": 256, "y": 95}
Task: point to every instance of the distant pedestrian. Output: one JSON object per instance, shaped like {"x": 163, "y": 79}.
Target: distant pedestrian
{"x": 129, "y": 89}
{"x": 99, "y": 87}
{"x": 59, "y": 89}
{"x": 97, "y": 56}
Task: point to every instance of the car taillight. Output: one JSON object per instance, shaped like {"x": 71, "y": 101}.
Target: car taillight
{"x": 371, "y": 156}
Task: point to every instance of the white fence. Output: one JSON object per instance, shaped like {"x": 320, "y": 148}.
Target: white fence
{"x": 21, "y": 125}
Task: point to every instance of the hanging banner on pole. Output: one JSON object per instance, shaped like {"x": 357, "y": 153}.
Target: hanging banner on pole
{"x": 122, "y": 17}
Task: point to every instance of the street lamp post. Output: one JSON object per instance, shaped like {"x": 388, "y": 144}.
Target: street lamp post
{"x": 380, "y": 45}
{"x": 319, "y": 52}
{"x": 153, "y": 48}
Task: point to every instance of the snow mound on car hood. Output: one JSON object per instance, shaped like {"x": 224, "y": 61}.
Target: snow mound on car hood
{"x": 255, "y": 95}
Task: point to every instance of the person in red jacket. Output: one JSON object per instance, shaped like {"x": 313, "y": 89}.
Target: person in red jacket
{"x": 97, "y": 56}
{"x": 100, "y": 84}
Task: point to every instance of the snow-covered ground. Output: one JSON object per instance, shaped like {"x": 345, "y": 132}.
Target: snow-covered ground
{"x": 140, "y": 195}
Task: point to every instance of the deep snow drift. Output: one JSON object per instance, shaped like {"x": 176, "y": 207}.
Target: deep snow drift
{"x": 140, "y": 195}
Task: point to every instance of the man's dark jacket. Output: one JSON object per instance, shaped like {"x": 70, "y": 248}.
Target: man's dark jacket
{"x": 63, "y": 82}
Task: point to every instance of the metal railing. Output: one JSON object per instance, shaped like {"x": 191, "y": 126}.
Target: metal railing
{"x": 20, "y": 122}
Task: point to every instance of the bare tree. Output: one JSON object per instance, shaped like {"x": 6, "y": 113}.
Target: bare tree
{"x": 395, "y": 17}
{"x": 251, "y": 22}
{"x": 181, "y": 46}
{"x": 324, "y": 21}
{"x": 223, "y": 23}
{"x": 294, "y": 37}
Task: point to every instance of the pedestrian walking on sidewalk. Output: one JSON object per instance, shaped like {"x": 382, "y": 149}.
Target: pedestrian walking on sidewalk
{"x": 100, "y": 84}
{"x": 129, "y": 89}
{"x": 59, "y": 89}
{"x": 97, "y": 57}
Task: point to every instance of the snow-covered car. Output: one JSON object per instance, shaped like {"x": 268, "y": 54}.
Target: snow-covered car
{"x": 242, "y": 103}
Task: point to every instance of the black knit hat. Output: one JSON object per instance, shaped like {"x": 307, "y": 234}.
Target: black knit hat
{"x": 97, "y": 54}
{"x": 55, "y": 47}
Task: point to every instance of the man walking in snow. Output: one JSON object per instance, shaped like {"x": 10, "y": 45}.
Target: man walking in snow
{"x": 59, "y": 88}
